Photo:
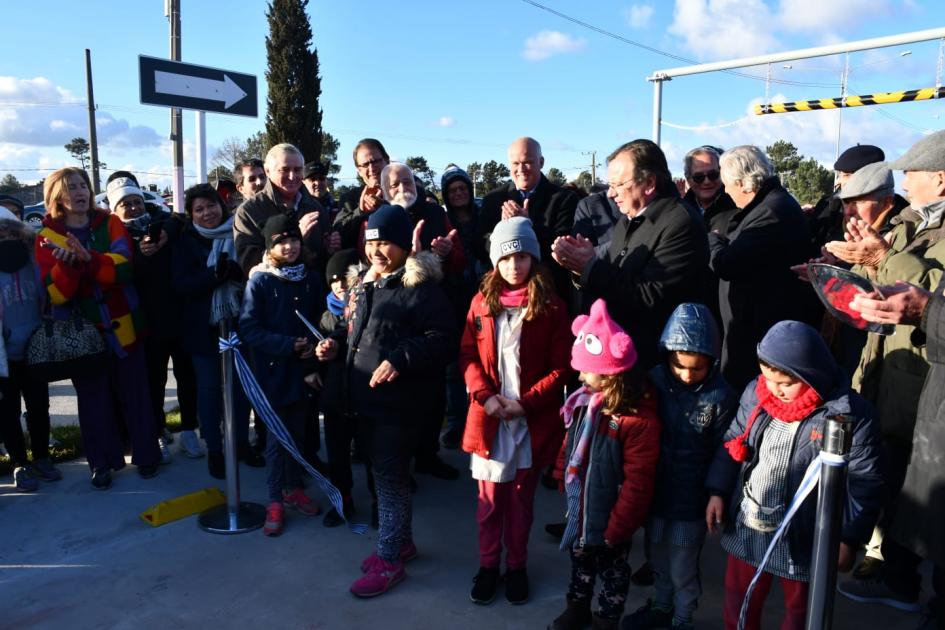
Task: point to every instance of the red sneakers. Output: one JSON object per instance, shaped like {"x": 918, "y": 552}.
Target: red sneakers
{"x": 407, "y": 553}
{"x": 275, "y": 519}
{"x": 380, "y": 578}
{"x": 300, "y": 502}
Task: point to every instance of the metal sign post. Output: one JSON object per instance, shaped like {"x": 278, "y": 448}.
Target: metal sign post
{"x": 236, "y": 517}
{"x": 830, "y": 494}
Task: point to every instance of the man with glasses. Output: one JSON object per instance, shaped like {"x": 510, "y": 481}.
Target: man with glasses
{"x": 530, "y": 194}
{"x": 370, "y": 158}
{"x": 658, "y": 255}
{"x": 706, "y": 192}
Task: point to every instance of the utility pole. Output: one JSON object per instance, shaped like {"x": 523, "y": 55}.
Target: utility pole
{"x": 593, "y": 155}
{"x": 172, "y": 11}
{"x": 93, "y": 138}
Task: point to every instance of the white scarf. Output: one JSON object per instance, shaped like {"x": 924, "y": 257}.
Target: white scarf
{"x": 226, "y": 297}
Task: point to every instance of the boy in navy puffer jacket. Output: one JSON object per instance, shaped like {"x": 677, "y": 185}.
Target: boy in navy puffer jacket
{"x": 696, "y": 406}
{"x": 777, "y": 432}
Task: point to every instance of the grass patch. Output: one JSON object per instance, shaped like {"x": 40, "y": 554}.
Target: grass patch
{"x": 68, "y": 440}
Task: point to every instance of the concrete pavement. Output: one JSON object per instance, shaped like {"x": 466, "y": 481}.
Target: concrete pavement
{"x": 76, "y": 557}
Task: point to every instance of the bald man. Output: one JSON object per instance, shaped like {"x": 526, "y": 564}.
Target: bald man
{"x": 530, "y": 194}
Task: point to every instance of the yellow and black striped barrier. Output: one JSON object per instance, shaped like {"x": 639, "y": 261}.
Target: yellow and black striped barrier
{"x": 880, "y": 98}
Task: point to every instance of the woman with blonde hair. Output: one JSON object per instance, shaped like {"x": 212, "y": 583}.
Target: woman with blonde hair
{"x": 84, "y": 257}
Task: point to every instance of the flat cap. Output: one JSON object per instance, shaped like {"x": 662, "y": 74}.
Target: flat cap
{"x": 872, "y": 178}
{"x": 314, "y": 169}
{"x": 928, "y": 154}
{"x": 855, "y": 158}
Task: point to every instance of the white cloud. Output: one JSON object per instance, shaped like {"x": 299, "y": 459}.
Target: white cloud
{"x": 722, "y": 29}
{"x": 446, "y": 121}
{"x": 639, "y": 15}
{"x": 547, "y": 43}
{"x": 35, "y": 112}
{"x": 803, "y": 15}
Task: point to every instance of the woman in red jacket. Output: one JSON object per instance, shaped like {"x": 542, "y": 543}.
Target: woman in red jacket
{"x": 514, "y": 356}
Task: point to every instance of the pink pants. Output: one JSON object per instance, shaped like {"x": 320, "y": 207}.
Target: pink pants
{"x": 505, "y": 511}
{"x": 738, "y": 575}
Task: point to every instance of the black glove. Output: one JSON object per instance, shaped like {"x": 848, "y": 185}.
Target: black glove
{"x": 234, "y": 272}
{"x": 223, "y": 266}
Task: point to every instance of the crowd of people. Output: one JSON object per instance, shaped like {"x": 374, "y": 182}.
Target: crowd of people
{"x": 655, "y": 350}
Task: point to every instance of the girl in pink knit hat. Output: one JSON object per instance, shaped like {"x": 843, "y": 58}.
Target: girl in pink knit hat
{"x": 608, "y": 464}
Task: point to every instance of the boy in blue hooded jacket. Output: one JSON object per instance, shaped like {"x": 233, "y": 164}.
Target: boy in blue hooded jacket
{"x": 696, "y": 405}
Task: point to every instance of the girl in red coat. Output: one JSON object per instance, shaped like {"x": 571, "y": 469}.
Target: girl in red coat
{"x": 609, "y": 467}
{"x": 514, "y": 356}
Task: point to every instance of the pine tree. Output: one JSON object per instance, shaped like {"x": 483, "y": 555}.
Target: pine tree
{"x": 293, "y": 113}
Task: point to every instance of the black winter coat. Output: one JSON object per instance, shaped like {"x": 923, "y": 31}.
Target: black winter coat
{"x": 194, "y": 284}
{"x": 403, "y": 318}
{"x": 756, "y": 285}
{"x": 719, "y": 212}
{"x": 654, "y": 263}
{"x": 153, "y": 278}
{"x": 920, "y": 514}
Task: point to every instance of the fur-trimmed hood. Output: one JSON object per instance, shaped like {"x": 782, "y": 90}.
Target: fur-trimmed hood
{"x": 419, "y": 268}
{"x": 22, "y": 231}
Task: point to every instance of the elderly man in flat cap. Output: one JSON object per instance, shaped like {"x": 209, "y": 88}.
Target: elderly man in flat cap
{"x": 827, "y": 217}
{"x": 908, "y": 263}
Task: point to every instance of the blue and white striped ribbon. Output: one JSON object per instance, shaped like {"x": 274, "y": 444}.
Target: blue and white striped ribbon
{"x": 274, "y": 423}
{"x": 808, "y": 483}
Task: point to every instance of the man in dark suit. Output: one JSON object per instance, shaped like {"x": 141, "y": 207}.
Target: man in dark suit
{"x": 530, "y": 194}
{"x": 658, "y": 255}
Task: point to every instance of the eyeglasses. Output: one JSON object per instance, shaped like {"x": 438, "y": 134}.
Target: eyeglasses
{"x": 616, "y": 187}
{"x": 375, "y": 163}
{"x": 713, "y": 176}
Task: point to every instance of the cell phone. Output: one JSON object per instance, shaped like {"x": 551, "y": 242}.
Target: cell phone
{"x": 154, "y": 232}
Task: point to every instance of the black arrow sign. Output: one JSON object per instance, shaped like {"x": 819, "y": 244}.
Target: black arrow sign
{"x": 188, "y": 86}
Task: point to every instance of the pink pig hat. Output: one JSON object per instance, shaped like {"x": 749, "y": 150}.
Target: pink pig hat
{"x": 601, "y": 347}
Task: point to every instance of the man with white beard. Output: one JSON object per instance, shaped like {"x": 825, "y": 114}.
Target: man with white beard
{"x": 437, "y": 235}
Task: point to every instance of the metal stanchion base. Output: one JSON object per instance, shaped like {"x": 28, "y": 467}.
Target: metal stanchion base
{"x": 220, "y": 520}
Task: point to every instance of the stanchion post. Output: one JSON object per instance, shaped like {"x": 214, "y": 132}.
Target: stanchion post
{"x": 236, "y": 516}
{"x": 832, "y": 488}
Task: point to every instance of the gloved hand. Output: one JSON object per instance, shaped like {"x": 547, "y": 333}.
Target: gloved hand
{"x": 220, "y": 271}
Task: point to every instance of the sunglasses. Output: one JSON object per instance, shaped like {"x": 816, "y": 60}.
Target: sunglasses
{"x": 713, "y": 176}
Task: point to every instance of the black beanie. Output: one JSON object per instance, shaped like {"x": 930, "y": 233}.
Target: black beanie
{"x": 279, "y": 227}
{"x": 338, "y": 264}
{"x": 390, "y": 223}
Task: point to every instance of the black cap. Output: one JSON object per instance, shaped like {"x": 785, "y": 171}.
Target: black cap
{"x": 279, "y": 227}
{"x": 314, "y": 169}
{"x": 855, "y": 158}
{"x": 338, "y": 264}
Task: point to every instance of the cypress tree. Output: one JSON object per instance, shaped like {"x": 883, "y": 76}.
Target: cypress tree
{"x": 293, "y": 113}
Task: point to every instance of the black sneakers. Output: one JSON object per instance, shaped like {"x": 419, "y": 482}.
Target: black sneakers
{"x": 102, "y": 479}
{"x": 516, "y": 586}
{"x": 485, "y": 585}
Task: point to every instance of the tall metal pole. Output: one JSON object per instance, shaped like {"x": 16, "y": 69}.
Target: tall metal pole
{"x": 93, "y": 136}
{"x": 200, "y": 130}
{"x": 843, "y": 96}
{"x": 657, "y": 107}
{"x": 177, "y": 124}
{"x": 236, "y": 517}
{"x": 830, "y": 493}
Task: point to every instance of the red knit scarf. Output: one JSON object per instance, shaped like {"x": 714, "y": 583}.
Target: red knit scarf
{"x": 798, "y": 409}
{"x": 514, "y": 298}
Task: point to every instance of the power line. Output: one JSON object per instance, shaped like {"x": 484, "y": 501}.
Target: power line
{"x": 663, "y": 53}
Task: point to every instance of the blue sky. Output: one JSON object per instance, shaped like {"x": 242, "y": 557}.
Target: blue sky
{"x": 457, "y": 81}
